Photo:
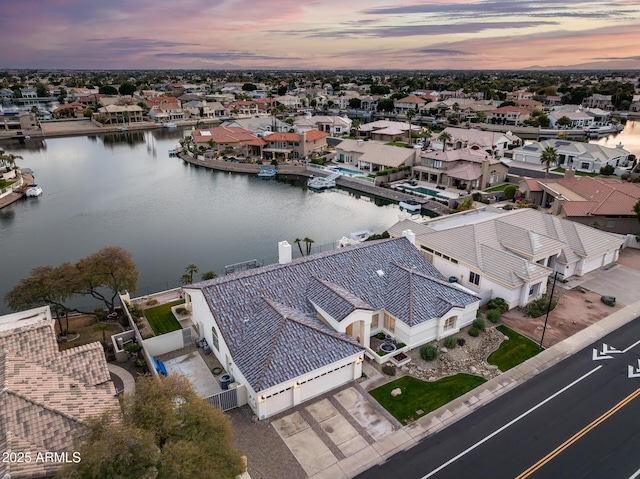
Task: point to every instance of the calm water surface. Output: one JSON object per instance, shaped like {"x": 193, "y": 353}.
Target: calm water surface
{"x": 124, "y": 190}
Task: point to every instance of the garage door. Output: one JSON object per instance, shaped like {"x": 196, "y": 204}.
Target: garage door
{"x": 326, "y": 382}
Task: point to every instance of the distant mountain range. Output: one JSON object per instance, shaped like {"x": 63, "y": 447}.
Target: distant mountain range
{"x": 630, "y": 64}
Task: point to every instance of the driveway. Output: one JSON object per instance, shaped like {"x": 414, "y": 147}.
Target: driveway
{"x": 619, "y": 281}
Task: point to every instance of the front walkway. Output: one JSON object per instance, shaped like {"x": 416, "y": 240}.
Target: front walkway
{"x": 129, "y": 383}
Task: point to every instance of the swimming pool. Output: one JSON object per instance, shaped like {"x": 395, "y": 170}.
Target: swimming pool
{"x": 347, "y": 171}
{"x": 423, "y": 190}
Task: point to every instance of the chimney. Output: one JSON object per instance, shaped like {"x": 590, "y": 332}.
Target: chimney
{"x": 569, "y": 172}
{"x": 284, "y": 252}
{"x": 410, "y": 235}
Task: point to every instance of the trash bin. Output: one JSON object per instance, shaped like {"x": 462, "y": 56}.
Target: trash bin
{"x": 225, "y": 380}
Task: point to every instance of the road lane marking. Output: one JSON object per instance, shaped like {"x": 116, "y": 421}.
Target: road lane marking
{"x": 630, "y": 347}
{"x": 579, "y": 434}
{"x": 637, "y": 473}
{"x": 510, "y": 423}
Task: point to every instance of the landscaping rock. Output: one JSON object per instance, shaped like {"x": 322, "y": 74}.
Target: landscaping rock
{"x": 473, "y": 370}
{"x": 444, "y": 350}
{"x": 396, "y": 392}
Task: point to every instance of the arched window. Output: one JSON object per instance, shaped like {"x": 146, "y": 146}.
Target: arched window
{"x": 450, "y": 323}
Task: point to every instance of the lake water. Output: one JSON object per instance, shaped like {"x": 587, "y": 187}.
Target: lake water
{"x": 124, "y": 189}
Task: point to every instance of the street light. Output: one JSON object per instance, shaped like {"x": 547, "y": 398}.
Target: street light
{"x": 546, "y": 319}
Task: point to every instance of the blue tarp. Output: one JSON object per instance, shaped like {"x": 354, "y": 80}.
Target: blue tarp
{"x": 159, "y": 365}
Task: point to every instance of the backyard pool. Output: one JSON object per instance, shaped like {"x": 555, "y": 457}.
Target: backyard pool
{"x": 423, "y": 190}
{"x": 347, "y": 171}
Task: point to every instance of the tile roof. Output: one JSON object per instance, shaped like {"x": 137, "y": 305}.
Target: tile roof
{"x": 269, "y": 323}
{"x": 225, "y": 135}
{"x": 378, "y": 153}
{"x": 45, "y": 395}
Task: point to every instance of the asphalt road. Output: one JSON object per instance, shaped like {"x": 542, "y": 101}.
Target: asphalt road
{"x": 578, "y": 419}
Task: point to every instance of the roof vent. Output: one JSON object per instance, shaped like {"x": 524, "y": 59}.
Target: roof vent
{"x": 380, "y": 273}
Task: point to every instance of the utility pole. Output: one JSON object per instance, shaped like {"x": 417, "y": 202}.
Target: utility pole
{"x": 546, "y": 319}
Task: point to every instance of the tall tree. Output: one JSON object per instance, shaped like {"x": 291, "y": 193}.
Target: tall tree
{"x": 444, "y": 137}
{"x": 308, "y": 242}
{"x": 636, "y": 209}
{"x": 298, "y": 241}
{"x": 548, "y": 157}
{"x": 190, "y": 269}
{"x": 166, "y": 431}
{"x": 410, "y": 114}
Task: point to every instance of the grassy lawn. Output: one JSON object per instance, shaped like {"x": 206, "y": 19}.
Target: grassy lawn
{"x": 421, "y": 395}
{"x": 514, "y": 351}
{"x": 161, "y": 319}
{"x": 497, "y": 188}
{"x": 5, "y": 184}
{"x": 88, "y": 327}
{"x": 578, "y": 173}
{"x": 396, "y": 143}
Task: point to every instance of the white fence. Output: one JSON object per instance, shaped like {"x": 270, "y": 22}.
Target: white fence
{"x": 165, "y": 343}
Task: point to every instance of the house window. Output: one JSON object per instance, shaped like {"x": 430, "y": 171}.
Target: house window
{"x": 389, "y": 323}
{"x": 375, "y": 321}
{"x": 474, "y": 278}
{"x": 437, "y": 164}
{"x": 584, "y": 165}
{"x": 450, "y": 323}
{"x": 214, "y": 337}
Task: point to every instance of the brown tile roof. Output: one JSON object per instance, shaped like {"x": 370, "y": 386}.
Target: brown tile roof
{"x": 532, "y": 184}
{"x": 224, "y": 135}
{"x": 312, "y": 135}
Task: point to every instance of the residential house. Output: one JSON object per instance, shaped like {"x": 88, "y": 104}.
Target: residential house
{"x": 243, "y": 107}
{"x": 290, "y": 101}
{"x": 553, "y": 100}
{"x": 579, "y": 118}
{"x": 205, "y": 109}
{"x": 74, "y": 110}
{"x": 374, "y": 156}
{"x": 587, "y": 157}
{"x": 6, "y": 94}
{"x": 293, "y": 331}
{"x": 598, "y": 101}
{"x": 403, "y": 105}
{"x": 118, "y": 114}
{"x": 165, "y": 109}
{"x": 385, "y": 130}
{"x": 606, "y": 203}
{"x": 511, "y": 254}
{"x": 229, "y": 140}
{"x": 46, "y": 395}
{"x": 494, "y": 143}
{"x": 259, "y": 125}
{"x": 294, "y": 145}
{"x": 463, "y": 169}
{"x": 509, "y": 115}
{"x": 529, "y": 104}
{"x": 334, "y": 125}
{"x": 28, "y": 93}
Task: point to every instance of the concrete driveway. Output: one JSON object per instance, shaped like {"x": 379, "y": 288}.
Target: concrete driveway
{"x": 619, "y": 281}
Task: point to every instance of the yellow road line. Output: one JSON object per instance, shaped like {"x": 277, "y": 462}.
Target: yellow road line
{"x": 579, "y": 434}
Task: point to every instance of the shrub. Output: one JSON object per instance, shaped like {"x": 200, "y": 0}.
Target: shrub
{"x": 478, "y": 314}
{"x": 474, "y": 332}
{"x": 509, "y": 192}
{"x": 428, "y": 352}
{"x": 382, "y": 352}
{"x": 450, "y": 342}
{"x": 507, "y": 207}
{"x": 498, "y": 304}
{"x": 476, "y": 196}
{"x": 479, "y": 324}
{"x": 152, "y": 302}
{"x": 389, "y": 370}
{"x": 538, "y": 307}
{"x": 494, "y": 315}
{"x": 607, "y": 170}
{"x": 400, "y": 345}
{"x": 380, "y": 336}
{"x": 461, "y": 341}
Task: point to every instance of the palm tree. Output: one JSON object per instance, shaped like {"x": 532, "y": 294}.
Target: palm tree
{"x": 185, "y": 279}
{"x": 549, "y": 156}
{"x": 444, "y": 137}
{"x": 104, "y": 328}
{"x": 308, "y": 242}
{"x": 355, "y": 124}
{"x": 298, "y": 241}
{"x": 190, "y": 269}
{"x": 410, "y": 114}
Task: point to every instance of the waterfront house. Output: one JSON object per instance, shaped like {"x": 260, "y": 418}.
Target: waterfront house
{"x": 294, "y": 145}
{"x": 205, "y": 109}
{"x": 386, "y": 131}
{"x": 403, "y": 105}
{"x": 229, "y": 140}
{"x": 598, "y": 101}
{"x": 465, "y": 168}
{"x": 374, "y": 156}
{"x": 333, "y": 125}
{"x": 606, "y": 203}
{"x": 508, "y": 115}
{"x": 298, "y": 329}
{"x": 492, "y": 142}
{"x": 165, "y": 109}
{"x": 70, "y": 110}
{"x": 579, "y": 118}
{"x": 46, "y": 395}
{"x": 259, "y": 125}
{"x": 118, "y": 114}
{"x": 587, "y": 157}
{"x": 510, "y": 254}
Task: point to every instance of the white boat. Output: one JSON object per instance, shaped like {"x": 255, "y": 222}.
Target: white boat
{"x": 321, "y": 183}
{"x": 360, "y": 235}
{"x": 170, "y": 124}
{"x": 411, "y": 206}
{"x": 266, "y": 172}
{"x": 33, "y": 190}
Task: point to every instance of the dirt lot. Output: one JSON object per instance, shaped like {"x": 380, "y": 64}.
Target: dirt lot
{"x": 84, "y": 329}
{"x": 575, "y": 311}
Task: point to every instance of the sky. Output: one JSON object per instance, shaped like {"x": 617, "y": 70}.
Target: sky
{"x": 318, "y": 34}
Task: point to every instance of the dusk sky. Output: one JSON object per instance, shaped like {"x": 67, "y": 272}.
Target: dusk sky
{"x": 327, "y": 34}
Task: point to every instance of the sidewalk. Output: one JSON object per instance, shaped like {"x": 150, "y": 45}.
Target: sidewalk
{"x": 408, "y": 436}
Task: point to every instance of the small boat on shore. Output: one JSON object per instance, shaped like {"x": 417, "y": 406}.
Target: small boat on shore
{"x": 319, "y": 183}
{"x": 33, "y": 190}
{"x": 170, "y": 124}
{"x": 266, "y": 172}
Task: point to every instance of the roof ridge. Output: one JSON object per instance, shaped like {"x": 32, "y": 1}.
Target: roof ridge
{"x": 273, "y": 344}
{"x": 340, "y": 291}
{"x": 44, "y": 406}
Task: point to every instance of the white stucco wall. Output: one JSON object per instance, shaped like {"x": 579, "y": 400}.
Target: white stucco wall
{"x": 164, "y": 343}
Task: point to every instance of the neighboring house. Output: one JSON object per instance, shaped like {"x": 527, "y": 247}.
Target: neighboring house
{"x": 334, "y": 125}
{"x": 511, "y": 255}
{"x": 494, "y": 143}
{"x": 243, "y": 107}
{"x": 598, "y": 101}
{"x": 296, "y": 330}
{"x": 119, "y": 114}
{"x": 509, "y": 115}
{"x": 229, "y": 140}
{"x": 605, "y": 203}
{"x": 6, "y": 94}
{"x": 385, "y": 130}
{"x": 403, "y": 105}
{"x": 259, "y": 125}
{"x": 553, "y": 100}
{"x": 587, "y": 157}
{"x": 294, "y": 145}
{"x": 529, "y": 104}
{"x": 11, "y": 119}
{"x": 466, "y": 168}
{"x": 579, "y": 119}
{"x": 46, "y": 395}
{"x": 205, "y": 109}
{"x": 289, "y": 101}
{"x": 74, "y": 110}
{"x": 374, "y": 156}
{"x": 164, "y": 109}
{"x": 28, "y": 93}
